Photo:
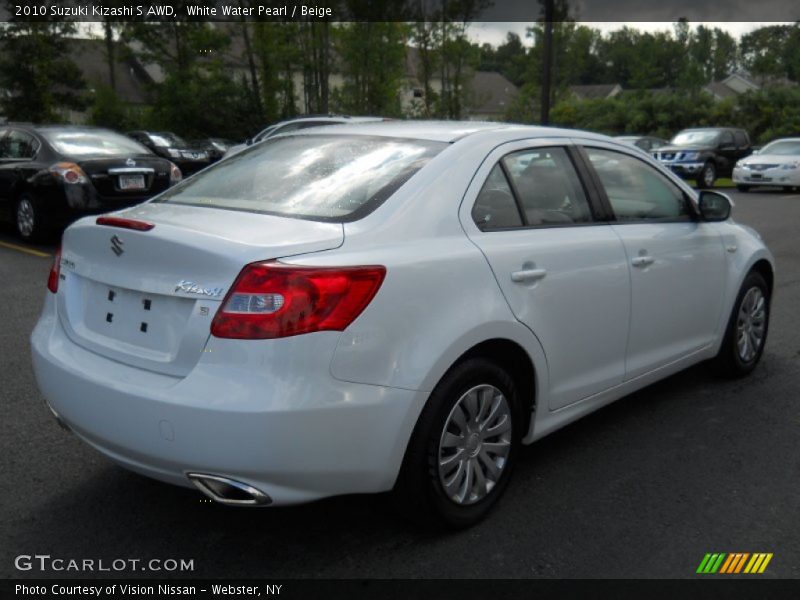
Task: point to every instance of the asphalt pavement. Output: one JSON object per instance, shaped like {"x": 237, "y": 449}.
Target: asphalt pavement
{"x": 642, "y": 488}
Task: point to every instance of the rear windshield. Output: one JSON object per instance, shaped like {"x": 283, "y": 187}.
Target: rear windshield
{"x": 164, "y": 139}
{"x": 92, "y": 143}
{"x": 320, "y": 177}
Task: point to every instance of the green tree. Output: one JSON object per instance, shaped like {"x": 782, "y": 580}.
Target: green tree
{"x": 107, "y": 110}
{"x": 36, "y": 70}
{"x": 372, "y": 62}
{"x": 191, "y": 58}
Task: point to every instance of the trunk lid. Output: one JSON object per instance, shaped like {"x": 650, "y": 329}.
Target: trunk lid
{"x": 147, "y": 298}
{"x": 121, "y": 180}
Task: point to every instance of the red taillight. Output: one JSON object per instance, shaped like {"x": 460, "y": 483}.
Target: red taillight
{"x": 55, "y": 272}
{"x": 69, "y": 172}
{"x": 273, "y": 300}
{"x": 125, "y": 223}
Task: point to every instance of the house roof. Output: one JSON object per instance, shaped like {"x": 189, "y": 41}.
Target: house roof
{"x": 90, "y": 56}
{"x": 720, "y": 90}
{"x": 491, "y": 93}
{"x": 599, "y": 90}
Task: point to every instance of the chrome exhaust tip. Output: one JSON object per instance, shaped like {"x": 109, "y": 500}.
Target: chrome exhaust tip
{"x": 228, "y": 491}
{"x": 57, "y": 416}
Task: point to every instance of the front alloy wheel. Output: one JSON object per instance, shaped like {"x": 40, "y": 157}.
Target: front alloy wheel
{"x": 751, "y": 324}
{"x": 746, "y": 334}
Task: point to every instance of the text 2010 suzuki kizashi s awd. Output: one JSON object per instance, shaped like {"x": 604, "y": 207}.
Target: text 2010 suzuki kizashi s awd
{"x": 390, "y": 306}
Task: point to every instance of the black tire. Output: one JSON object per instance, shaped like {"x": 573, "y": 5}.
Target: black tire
{"x": 419, "y": 493}
{"x": 707, "y": 176}
{"x": 742, "y": 188}
{"x": 729, "y": 361}
{"x": 30, "y": 220}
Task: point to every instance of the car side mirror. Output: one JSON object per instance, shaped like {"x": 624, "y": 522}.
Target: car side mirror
{"x": 714, "y": 206}
{"x": 248, "y": 142}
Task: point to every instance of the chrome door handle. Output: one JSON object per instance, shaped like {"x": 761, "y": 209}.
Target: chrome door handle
{"x": 528, "y": 275}
{"x": 643, "y": 261}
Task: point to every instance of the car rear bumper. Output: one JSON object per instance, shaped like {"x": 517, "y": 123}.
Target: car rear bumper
{"x": 288, "y": 429}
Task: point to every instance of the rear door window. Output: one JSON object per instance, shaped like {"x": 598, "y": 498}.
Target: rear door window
{"x": 495, "y": 207}
{"x": 18, "y": 145}
{"x": 548, "y": 187}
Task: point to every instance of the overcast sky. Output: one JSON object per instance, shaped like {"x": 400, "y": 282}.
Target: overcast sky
{"x": 495, "y": 33}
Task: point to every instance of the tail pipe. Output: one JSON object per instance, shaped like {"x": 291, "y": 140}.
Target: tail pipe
{"x": 229, "y": 491}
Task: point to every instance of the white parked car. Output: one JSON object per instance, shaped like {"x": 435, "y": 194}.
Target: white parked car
{"x": 777, "y": 163}
{"x": 389, "y": 306}
{"x": 296, "y": 124}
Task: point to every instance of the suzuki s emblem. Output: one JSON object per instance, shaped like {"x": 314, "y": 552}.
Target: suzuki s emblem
{"x": 116, "y": 246}
{"x": 130, "y": 162}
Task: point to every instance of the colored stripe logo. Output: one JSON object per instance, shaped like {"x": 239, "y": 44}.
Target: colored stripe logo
{"x": 734, "y": 563}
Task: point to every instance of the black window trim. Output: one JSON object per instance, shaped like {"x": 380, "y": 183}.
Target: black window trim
{"x": 692, "y": 217}
{"x": 597, "y": 213}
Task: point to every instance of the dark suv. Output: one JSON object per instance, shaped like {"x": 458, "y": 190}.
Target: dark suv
{"x": 705, "y": 154}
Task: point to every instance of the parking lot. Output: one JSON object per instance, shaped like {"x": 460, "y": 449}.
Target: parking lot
{"x": 642, "y": 488}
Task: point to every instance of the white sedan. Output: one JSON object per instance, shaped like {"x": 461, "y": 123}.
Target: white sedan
{"x": 776, "y": 164}
{"x": 389, "y": 306}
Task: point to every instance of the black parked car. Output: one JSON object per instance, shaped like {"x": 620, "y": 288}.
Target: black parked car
{"x": 52, "y": 174}
{"x": 705, "y": 154}
{"x": 216, "y": 147}
{"x": 189, "y": 158}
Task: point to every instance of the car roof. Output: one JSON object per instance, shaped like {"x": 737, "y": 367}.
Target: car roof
{"x": 448, "y": 131}
{"x": 713, "y": 129}
{"x": 329, "y": 118}
{"x": 56, "y": 127}
{"x": 785, "y": 139}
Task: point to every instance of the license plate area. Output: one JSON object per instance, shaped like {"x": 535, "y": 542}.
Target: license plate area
{"x": 150, "y": 321}
{"x": 131, "y": 181}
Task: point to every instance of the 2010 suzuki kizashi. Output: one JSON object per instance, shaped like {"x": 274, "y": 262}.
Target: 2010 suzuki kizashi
{"x": 389, "y": 306}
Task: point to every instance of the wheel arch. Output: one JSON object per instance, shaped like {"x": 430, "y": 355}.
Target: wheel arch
{"x": 512, "y": 356}
{"x": 764, "y": 268}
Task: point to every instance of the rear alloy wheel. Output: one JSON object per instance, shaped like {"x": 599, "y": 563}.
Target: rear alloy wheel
{"x": 747, "y": 329}
{"x": 707, "y": 176}
{"x": 459, "y": 460}
{"x": 474, "y": 445}
{"x": 28, "y": 218}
